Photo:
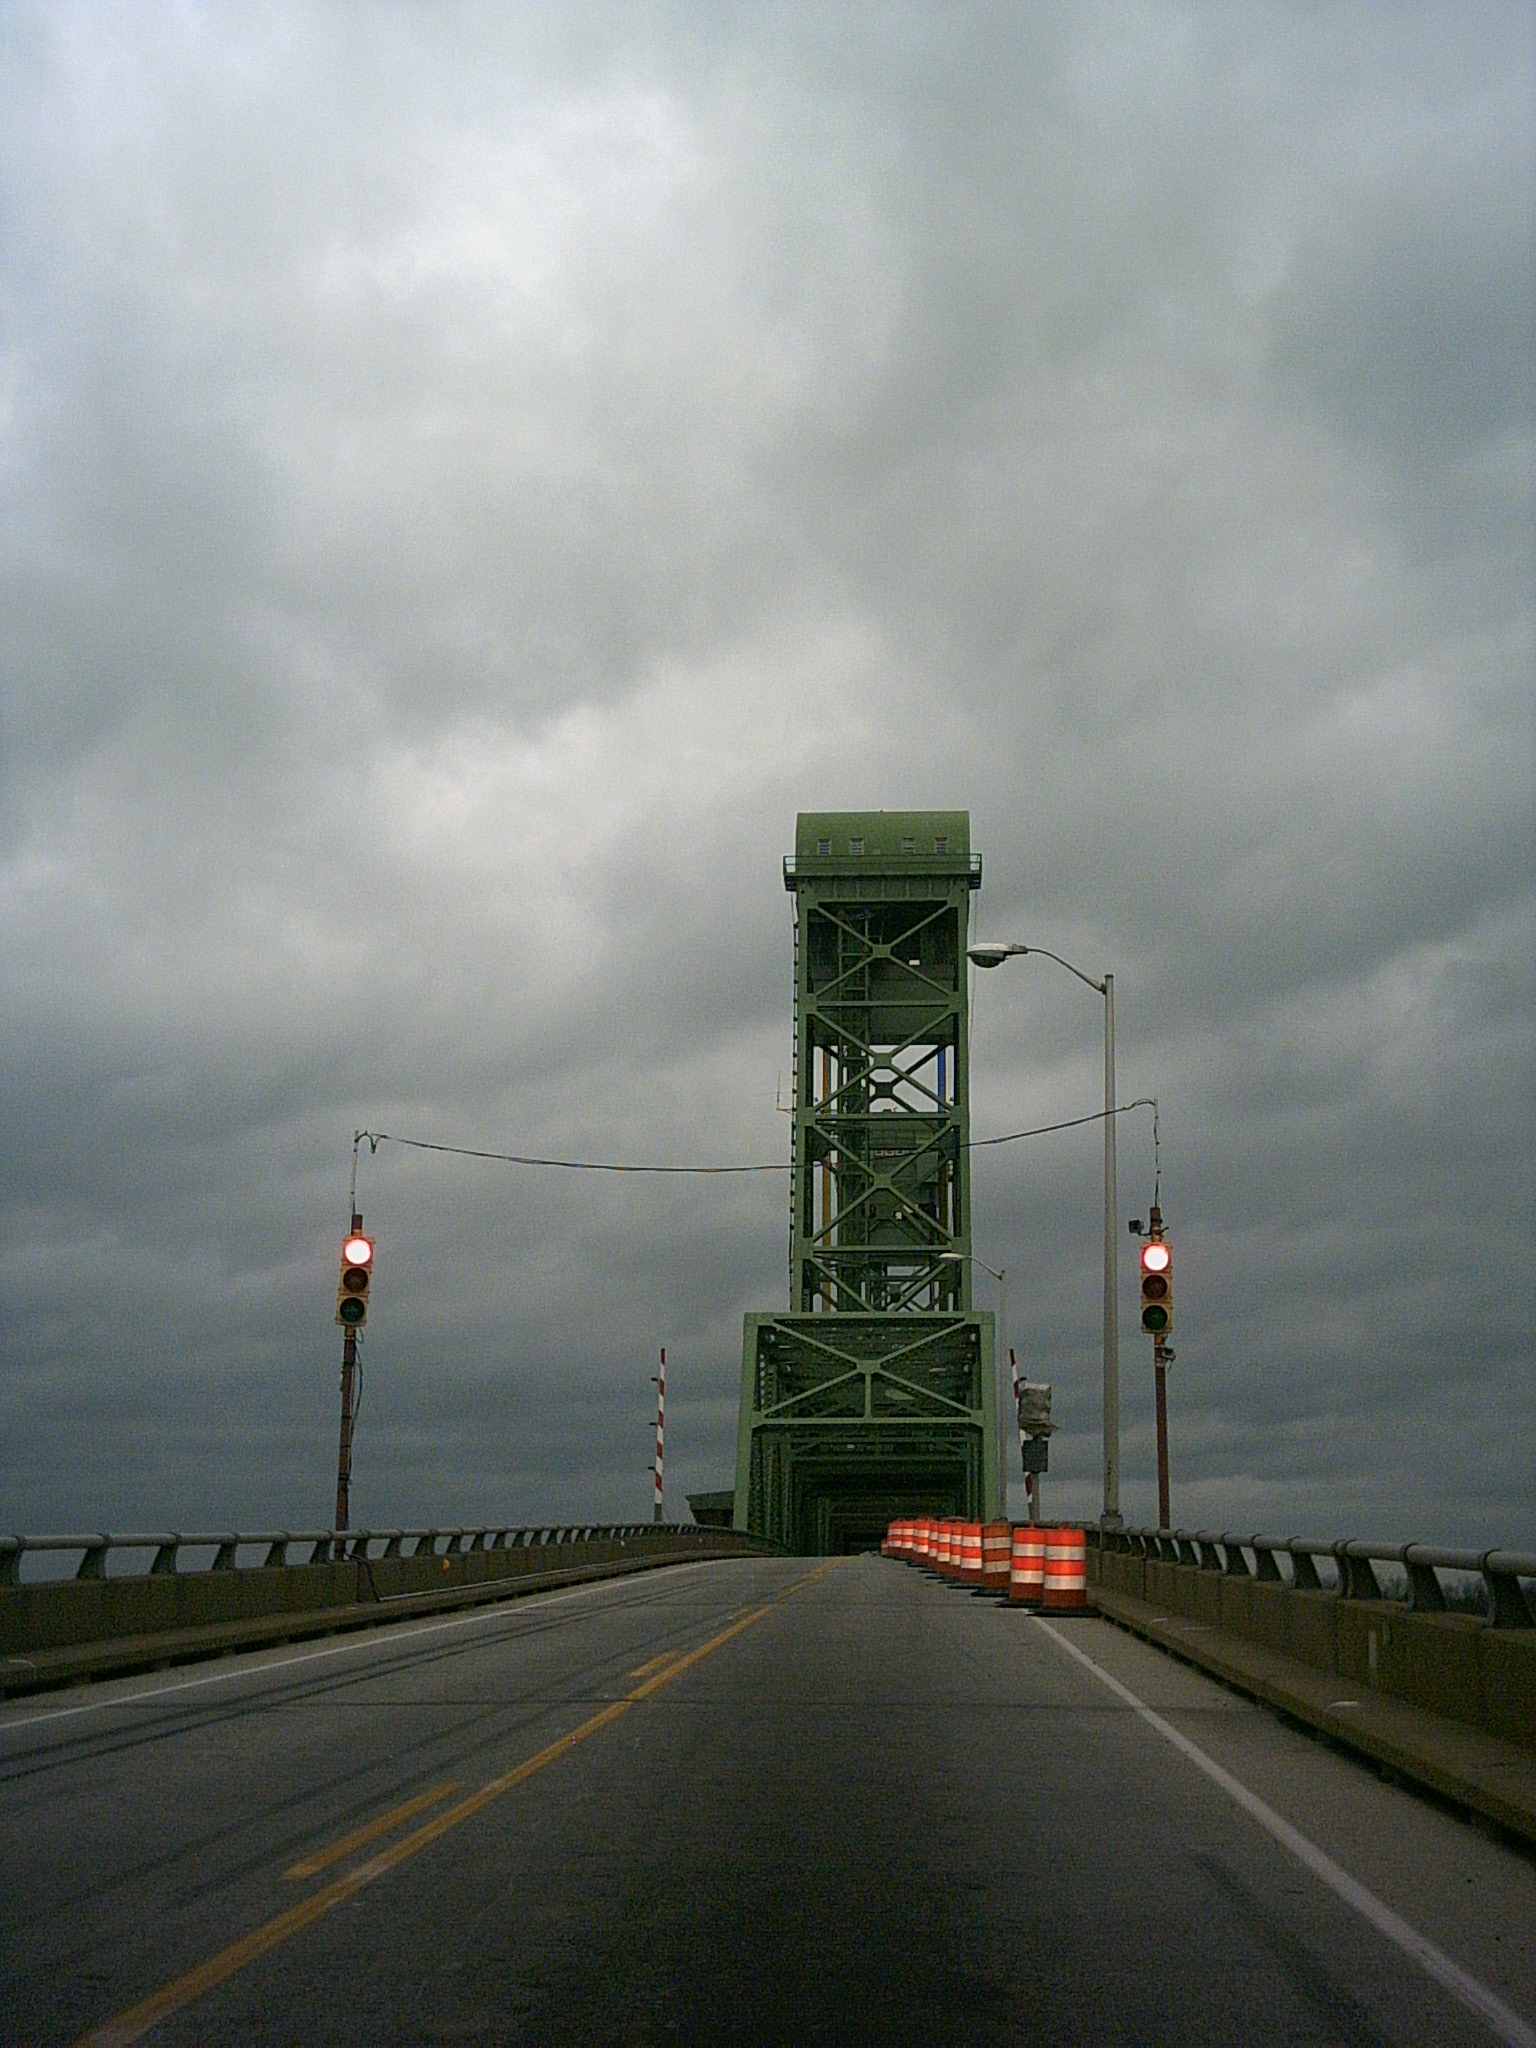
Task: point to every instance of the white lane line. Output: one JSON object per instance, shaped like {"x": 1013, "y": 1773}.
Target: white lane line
{"x": 1508, "y": 2025}
{"x": 374, "y": 1638}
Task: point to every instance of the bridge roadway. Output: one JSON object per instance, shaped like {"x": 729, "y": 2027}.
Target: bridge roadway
{"x": 751, "y": 1801}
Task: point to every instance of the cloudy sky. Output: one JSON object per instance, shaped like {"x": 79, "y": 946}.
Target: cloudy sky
{"x": 469, "y": 475}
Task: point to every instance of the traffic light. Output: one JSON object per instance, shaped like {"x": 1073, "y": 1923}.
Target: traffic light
{"x": 1156, "y": 1288}
{"x": 356, "y": 1272}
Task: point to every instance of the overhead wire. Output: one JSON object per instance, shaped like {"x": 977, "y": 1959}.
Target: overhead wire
{"x": 377, "y": 1138}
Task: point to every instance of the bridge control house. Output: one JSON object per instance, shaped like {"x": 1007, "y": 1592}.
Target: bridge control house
{"x": 874, "y": 1395}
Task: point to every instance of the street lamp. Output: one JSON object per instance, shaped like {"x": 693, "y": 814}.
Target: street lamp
{"x": 1000, "y": 1275}
{"x": 992, "y": 953}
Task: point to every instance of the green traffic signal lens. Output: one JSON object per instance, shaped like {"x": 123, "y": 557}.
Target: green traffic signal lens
{"x": 1154, "y": 1318}
{"x": 352, "y": 1311}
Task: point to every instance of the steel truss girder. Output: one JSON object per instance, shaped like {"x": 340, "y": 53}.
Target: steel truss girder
{"x": 875, "y": 1394}
{"x": 831, "y": 1403}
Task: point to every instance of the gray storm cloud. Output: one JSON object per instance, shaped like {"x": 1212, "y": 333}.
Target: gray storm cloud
{"x": 467, "y": 478}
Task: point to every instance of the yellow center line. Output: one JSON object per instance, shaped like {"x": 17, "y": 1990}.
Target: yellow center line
{"x": 133, "y": 2024}
{"x": 655, "y": 1663}
{"x": 361, "y": 1837}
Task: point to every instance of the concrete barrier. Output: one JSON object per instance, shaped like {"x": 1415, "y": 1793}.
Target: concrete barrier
{"x": 1456, "y": 1665}
{"x": 55, "y": 1631}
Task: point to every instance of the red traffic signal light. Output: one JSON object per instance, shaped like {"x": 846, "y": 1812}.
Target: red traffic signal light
{"x": 1156, "y": 1288}
{"x": 356, "y": 1273}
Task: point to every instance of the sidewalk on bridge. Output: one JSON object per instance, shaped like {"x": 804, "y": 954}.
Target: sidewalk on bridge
{"x": 1486, "y": 1776}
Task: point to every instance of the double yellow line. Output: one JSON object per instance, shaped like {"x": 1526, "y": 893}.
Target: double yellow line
{"x": 137, "y": 2021}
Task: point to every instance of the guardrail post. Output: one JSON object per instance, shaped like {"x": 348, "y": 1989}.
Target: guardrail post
{"x": 1305, "y": 1570}
{"x": 224, "y": 1557}
{"x": 165, "y": 1558}
{"x": 93, "y": 1565}
{"x": 277, "y": 1552}
{"x": 1505, "y": 1597}
{"x": 11, "y": 1548}
{"x": 1264, "y": 1566}
{"x": 1237, "y": 1564}
{"x": 1357, "y": 1575}
{"x": 1425, "y": 1593}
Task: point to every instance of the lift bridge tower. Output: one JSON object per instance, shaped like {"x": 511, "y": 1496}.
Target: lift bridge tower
{"x": 875, "y": 1394}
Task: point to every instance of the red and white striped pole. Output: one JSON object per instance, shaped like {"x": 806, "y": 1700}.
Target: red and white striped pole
{"x": 661, "y": 1427}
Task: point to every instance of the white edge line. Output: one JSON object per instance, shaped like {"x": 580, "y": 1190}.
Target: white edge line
{"x": 358, "y": 1639}
{"x": 1433, "y": 1961}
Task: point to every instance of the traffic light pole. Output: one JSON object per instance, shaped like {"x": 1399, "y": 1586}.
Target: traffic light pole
{"x": 344, "y": 1455}
{"x": 348, "y": 1391}
{"x": 1160, "y": 1376}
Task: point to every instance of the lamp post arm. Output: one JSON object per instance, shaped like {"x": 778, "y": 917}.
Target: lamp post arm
{"x": 1096, "y": 986}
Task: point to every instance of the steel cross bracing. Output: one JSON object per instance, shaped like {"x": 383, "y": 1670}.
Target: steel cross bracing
{"x": 883, "y": 1194}
{"x": 877, "y": 1384}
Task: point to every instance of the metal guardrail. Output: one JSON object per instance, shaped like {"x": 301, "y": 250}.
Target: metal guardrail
{"x": 1354, "y": 1575}
{"x": 326, "y": 1546}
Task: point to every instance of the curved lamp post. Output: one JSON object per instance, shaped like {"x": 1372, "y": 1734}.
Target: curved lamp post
{"x": 992, "y": 954}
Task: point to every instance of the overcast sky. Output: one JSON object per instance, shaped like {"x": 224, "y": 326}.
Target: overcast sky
{"x": 470, "y": 475}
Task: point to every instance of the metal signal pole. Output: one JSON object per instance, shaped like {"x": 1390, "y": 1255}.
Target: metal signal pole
{"x": 351, "y": 1314}
{"x": 1160, "y": 1377}
{"x": 348, "y": 1389}
{"x": 344, "y": 1455}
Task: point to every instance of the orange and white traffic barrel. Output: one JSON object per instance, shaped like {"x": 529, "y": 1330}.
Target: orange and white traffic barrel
{"x": 1026, "y": 1571}
{"x": 1066, "y": 1571}
{"x": 970, "y": 1553}
{"x": 996, "y": 1551}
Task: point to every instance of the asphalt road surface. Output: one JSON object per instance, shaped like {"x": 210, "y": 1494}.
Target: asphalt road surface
{"x": 753, "y": 1801}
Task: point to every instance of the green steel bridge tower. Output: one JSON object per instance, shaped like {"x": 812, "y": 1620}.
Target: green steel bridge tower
{"x": 875, "y": 1394}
